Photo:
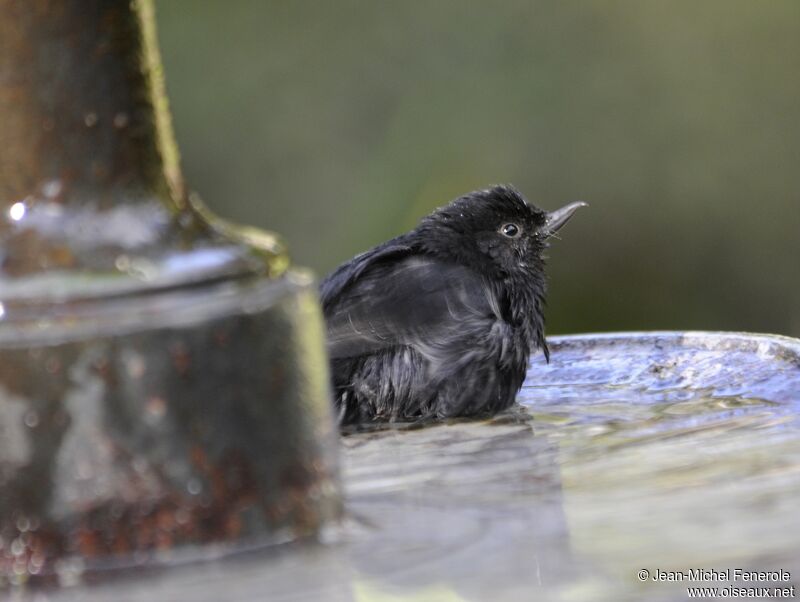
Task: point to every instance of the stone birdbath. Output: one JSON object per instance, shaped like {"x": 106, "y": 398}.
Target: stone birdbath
{"x": 630, "y": 452}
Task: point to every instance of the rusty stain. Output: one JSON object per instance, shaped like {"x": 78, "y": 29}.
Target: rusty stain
{"x": 52, "y": 365}
{"x": 156, "y": 407}
{"x": 181, "y": 360}
{"x": 28, "y": 250}
{"x": 221, "y": 338}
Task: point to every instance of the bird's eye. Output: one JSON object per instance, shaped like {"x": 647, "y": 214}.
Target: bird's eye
{"x": 510, "y": 230}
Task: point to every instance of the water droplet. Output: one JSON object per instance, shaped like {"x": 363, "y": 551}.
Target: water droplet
{"x": 17, "y": 211}
{"x": 17, "y": 547}
{"x": 135, "y": 365}
{"x": 37, "y": 560}
{"x": 90, "y": 119}
{"x": 31, "y": 419}
{"x": 120, "y": 120}
{"x": 140, "y": 465}
{"x": 182, "y": 516}
{"x": 186, "y": 219}
{"x": 69, "y": 571}
{"x": 52, "y": 188}
{"x": 2, "y": 310}
{"x": 122, "y": 263}
{"x": 194, "y": 486}
{"x": 142, "y": 268}
{"x": 156, "y": 407}
{"x": 23, "y": 524}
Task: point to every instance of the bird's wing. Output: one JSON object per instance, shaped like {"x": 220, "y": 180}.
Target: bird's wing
{"x": 341, "y": 278}
{"x": 399, "y": 298}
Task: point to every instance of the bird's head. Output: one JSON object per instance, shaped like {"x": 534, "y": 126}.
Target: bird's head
{"x": 496, "y": 231}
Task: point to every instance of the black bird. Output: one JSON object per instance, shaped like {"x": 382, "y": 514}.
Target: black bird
{"x": 441, "y": 321}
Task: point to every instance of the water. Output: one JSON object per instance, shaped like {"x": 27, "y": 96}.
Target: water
{"x": 676, "y": 452}
{"x": 660, "y": 452}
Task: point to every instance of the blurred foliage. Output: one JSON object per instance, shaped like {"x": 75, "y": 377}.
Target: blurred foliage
{"x": 340, "y": 124}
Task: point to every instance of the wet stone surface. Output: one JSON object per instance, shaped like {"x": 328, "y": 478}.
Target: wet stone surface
{"x": 657, "y": 451}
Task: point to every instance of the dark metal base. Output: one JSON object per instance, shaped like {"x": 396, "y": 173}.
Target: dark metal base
{"x": 134, "y": 430}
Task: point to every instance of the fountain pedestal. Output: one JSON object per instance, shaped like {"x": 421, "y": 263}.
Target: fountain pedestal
{"x": 163, "y": 384}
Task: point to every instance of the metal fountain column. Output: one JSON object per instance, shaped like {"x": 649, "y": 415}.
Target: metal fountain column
{"x": 163, "y": 383}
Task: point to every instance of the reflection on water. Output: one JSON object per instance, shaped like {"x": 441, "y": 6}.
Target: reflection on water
{"x": 662, "y": 451}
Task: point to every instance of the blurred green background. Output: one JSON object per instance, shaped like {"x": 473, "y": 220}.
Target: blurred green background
{"x": 340, "y": 124}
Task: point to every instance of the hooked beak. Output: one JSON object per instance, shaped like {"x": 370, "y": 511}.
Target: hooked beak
{"x": 556, "y": 219}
